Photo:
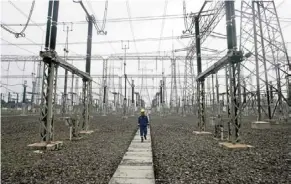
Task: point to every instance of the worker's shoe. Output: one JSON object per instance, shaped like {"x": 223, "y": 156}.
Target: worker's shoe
{"x": 145, "y": 137}
{"x": 141, "y": 139}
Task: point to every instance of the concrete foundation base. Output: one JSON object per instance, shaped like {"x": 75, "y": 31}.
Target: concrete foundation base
{"x": 38, "y": 151}
{"x": 86, "y": 132}
{"x": 261, "y": 125}
{"x": 274, "y": 121}
{"x": 229, "y": 145}
{"x": 201, "y": 133}
{"x": 55, "y": 145}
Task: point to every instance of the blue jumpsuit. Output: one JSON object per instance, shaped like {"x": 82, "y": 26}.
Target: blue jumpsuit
{"x": 143, "y": 123}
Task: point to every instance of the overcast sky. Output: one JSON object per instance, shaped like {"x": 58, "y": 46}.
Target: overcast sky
{"x": 16, "y": 12}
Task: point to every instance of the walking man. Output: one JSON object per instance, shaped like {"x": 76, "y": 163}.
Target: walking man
{"x": 143, "y": 123}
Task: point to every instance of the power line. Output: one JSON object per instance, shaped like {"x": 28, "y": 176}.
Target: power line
{"x": 131, "y": 26}
{"x": 21, "y": 33}
{"x": 16, "y": 45}
{"x": 11, "y": 84}
{"x": 29, "y": 18}
{"x": 104, "y": 16}
{"x": 103, "y": 23}
{"x": 112, "y": 41}
{"x": 163, "y": 22}
{"x": 112, "y": 20}
{"x": 7, "y": 89}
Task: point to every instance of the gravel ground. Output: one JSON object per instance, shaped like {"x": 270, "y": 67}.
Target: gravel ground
{"x": 182, "y": 157}
{"x": 93, "y": 159}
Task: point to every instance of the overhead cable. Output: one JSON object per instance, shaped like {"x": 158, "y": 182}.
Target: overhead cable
{"x": 21, "y": 33}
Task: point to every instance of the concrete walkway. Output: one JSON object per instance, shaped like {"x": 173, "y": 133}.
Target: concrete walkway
{"x": 136, "y": 166}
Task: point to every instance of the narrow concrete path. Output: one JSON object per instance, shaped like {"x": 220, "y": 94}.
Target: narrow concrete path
{"x": 136, "y": 166}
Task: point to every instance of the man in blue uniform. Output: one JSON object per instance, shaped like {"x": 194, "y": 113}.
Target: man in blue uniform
{"x": 143, "y": 122}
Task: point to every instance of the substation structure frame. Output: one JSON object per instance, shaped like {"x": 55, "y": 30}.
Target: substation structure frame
{"x": 104, "y": 89}
{"x": 174, "y": 108}
{"x": 51, "y": 62}
{"x": 232, "y": 62}
{"x": 261, "y": 34}
{"x": 117, "y": 58}
{"x": 209, "y": 15}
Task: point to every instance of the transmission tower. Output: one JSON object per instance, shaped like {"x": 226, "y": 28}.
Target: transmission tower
{"x": 125, "y": 46}
{"x": 188, "y": 82}
{"x": 76, "y": 88}
{"x": 66, "y": 51}
{"x": 261, "y": 34}
{"x": 38, "y": 82}
{"x": 104, "y": 89}
{"x": 174, "y": 93}
{"x": 209, "y": 22}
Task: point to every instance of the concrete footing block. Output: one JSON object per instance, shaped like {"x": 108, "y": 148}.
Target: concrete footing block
{"x": 274, "y": 121}
{"x": 201, "y": 133}
{"x": 261, "y": 125}
{"x": 236, "y": 146}
{"x": 54, "y": 145}
{"x": 86, "y": 131}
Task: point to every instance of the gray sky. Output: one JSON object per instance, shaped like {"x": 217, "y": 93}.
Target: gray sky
{"x": 120, "y": 30}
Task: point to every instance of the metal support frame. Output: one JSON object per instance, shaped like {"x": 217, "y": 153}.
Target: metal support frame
{"x": 104, "y": 89}
{"x": 125, "y": 47}
{"x": 200, "y": 82}
{"x": 132, "y": 97}
{"x": 85, "y": 104}
{"x": 119, "y": 98}
{"x": 51, "y": 63}
{"x": 264, "y": 36}
{"x": 201, "y": 33}
{"x": 164, "y": 95}
{"x": 213, "y": 99}
{"x": 87, "y": 88}
{"x": 65, "y": 94}
{"x": 116, "y": 58}
{"x": 72, "y": 92}
{"x": 234, "y": 72}
{"x": 161, "y": 95}
{"x": 32, "y": 101}
{"x": 289, "y": 97}
{"x": 66, "y": 51}
{"x": 232, "y": 62}
{"x": 174, "y": 91}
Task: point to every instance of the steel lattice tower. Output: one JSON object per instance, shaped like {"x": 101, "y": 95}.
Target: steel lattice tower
{"x": 189, "y": 84}
{"x": 262, "y": 39}
{"x": 174, "y": 93}
{"x": 104, "y": 89}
